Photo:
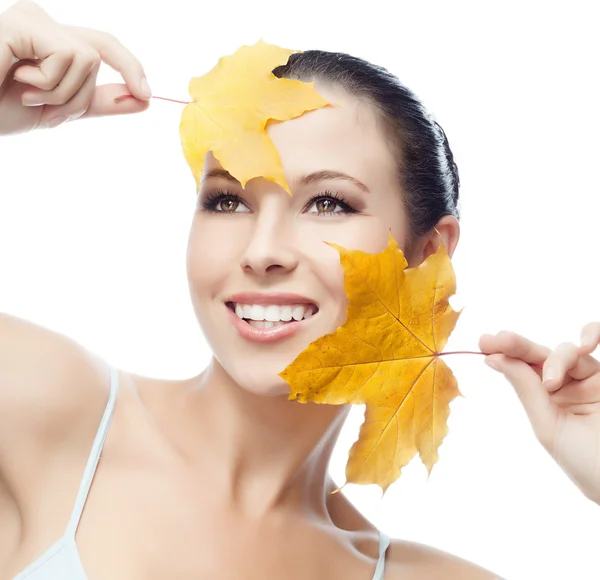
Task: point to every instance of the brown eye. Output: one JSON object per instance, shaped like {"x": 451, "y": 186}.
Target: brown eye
{"x": 228, "y": 204}
{"x": 223, "y": 202}
{"x": 325, "y": 205}
{"x": 329, "y": 205}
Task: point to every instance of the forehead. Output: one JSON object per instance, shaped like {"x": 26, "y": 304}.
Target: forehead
{"x": 346, "y": 137}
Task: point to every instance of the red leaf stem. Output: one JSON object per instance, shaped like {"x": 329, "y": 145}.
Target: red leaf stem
{"x": 534, "y": 365}
{"x": 123, "y": 97}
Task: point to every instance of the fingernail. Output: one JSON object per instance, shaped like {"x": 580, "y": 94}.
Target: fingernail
{"x": 549, "y": 374}
{"x": 146, "y": 87}
{"x": 586, "y": 338}
{"x": 30, "y": 101}
{"x": 56, "y": 122}
{"x": 492, "y": 364}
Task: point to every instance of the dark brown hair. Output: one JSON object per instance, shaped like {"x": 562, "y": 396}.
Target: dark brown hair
{"x": 427, "y": 172}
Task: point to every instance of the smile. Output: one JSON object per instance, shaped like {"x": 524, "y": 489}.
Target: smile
{"x": 272, "y": 315}
{"x": 267, "y": 319}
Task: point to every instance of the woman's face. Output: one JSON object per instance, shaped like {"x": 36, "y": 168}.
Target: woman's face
{"x": 261, "y": 253}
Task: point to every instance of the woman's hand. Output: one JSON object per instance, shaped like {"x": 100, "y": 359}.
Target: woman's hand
{"x": 562, "y": 400}
{"x": 56, "y": 66}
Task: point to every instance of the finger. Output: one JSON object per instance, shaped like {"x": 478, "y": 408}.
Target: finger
{"x": 488, "y": 343}
{"x": 564, "y": 359}
{"x": 50, "y": 53}
{"x": 515, "y": 346}
{"x": 532, "y": 394}
{"x": 585, "y": 392}
{"x": 75, "y": 107}
{"x": 104, "y": 102}
{"x": 48, "y": 73}
{"x": 7, "y": 61}
{"x": 590, "y": 337}
{"x": 77, "y": 73}
{"x": 119, "y": 58}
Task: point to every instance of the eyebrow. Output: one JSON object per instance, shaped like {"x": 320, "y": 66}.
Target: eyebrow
{"x": 222, "y": 173}
{"x": 305, "y": 180}
{"x": 328, "y": 174}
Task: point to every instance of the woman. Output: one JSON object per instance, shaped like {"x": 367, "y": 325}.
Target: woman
{"x": 219, "y": 476}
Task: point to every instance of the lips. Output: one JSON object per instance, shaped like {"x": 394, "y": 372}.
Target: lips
{"x": 269, "y": 317}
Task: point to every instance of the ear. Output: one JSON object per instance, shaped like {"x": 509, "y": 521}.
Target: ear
{"x": 447, "y": 229}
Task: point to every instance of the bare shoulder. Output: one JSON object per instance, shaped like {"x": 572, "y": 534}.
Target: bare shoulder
{"x": 50, "y": 388}
{"x": 408, "y": 560}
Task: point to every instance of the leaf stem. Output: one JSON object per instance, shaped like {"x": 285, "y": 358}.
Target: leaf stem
{"x": 461, "y": 352}
{"x": 123, "y": 97}
{"x": 535, "y": 365}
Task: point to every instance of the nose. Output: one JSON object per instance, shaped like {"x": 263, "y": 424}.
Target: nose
{"x": 271, "y": 247}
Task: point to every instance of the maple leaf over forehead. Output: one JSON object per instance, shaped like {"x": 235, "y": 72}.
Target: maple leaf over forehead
{"x": 386, "y": 356}
{"x": 232, "y": 105}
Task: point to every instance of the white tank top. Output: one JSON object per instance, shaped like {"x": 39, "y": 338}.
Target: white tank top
{"x": 61, "y": 561}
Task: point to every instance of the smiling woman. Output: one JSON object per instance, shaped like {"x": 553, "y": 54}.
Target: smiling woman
{"x": 264, "y": 284}
{"x": 354, "y": 174}
{"x": 218, "y": 475}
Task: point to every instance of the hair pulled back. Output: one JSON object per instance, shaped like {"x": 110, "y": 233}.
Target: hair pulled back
{"x": 426, "y": 169}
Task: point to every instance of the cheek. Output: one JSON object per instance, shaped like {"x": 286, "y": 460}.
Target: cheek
{"x": 368, "y": 233}
{"x": 365, "y": 233}
{"x": 213, "y": 249}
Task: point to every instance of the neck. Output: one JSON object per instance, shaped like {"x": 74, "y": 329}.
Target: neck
{"x": 266, "y": 452}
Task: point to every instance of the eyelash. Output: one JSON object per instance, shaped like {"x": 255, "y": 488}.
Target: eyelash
{"x": 213, "y": 198}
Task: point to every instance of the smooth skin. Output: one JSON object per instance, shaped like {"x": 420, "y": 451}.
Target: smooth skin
{"x": 65, "y": 61}
{"x": 562, "y": 400}
{"x": 177, "y": 492}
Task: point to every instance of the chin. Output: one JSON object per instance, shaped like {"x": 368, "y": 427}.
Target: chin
{"x": 258, "y": 379}
{"x": 257, "y": 376}
{"x": 263, "y": 387}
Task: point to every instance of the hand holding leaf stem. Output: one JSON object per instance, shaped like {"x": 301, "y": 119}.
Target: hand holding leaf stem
{"x": 562, "y": 400}
{"x": 48, "y": 72}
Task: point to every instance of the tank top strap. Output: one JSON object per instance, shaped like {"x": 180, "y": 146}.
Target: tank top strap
{"x": 384, "y": 542}
{"x": 94, "y": 457}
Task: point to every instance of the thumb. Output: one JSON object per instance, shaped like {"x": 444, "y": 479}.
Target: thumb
{"x": 533, "y": 395}
{"x": 105, "y": 102}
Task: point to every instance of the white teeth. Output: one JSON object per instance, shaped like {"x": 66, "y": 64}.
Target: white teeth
{"x": 257, "y": 312}
{"x": 285, "y": 313}
{"x": 273, "y": 313}
{"x": 265, "y": 323}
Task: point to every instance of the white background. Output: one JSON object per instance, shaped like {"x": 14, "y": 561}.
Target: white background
{"x": 94, "y": 218}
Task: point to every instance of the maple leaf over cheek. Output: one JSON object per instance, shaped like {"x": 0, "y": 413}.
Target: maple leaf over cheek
{"x": 232, "y": 106}
{"x": 386, "y": 356}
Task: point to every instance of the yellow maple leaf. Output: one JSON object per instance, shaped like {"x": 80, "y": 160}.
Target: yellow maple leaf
{"x": 232, "y": 105}
{"x": 386, "y": 356}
